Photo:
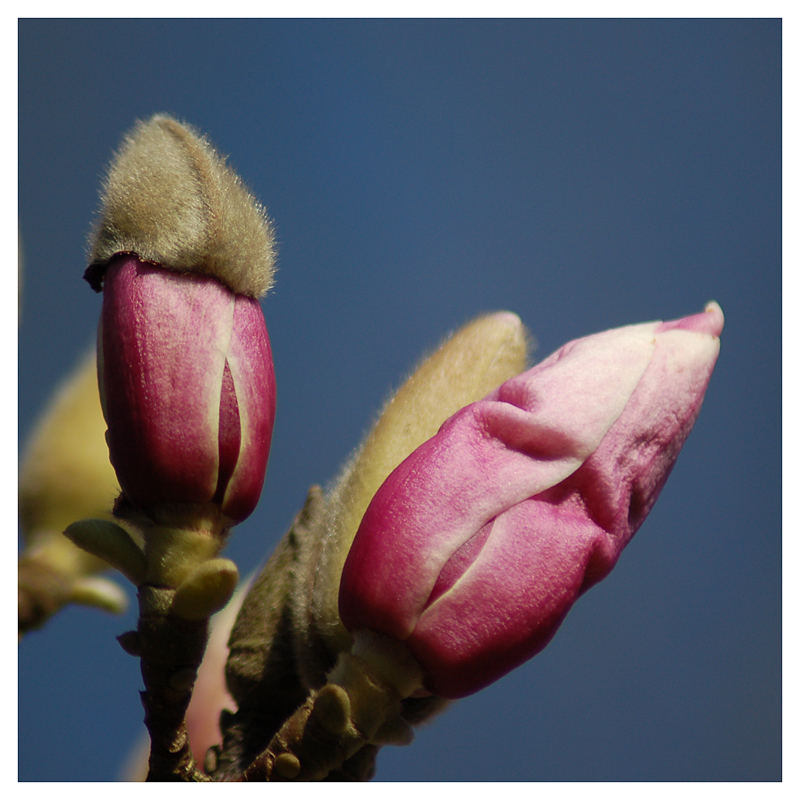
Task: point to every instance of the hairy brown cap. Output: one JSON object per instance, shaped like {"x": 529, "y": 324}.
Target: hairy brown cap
{"x": 170, "y": 198}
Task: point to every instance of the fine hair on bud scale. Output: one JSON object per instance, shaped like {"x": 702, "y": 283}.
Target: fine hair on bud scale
{"x": 170, "y": 198}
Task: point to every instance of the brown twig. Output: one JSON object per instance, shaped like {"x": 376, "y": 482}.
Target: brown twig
{"x": 171, "y": 650}
{"x": 354, "y": 711}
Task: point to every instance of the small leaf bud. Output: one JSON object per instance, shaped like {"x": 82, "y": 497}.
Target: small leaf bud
{"x": 112, "y": 543}
{"x": 206, "y": 590}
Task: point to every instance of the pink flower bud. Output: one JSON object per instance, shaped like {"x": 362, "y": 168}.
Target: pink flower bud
{"x": 475, "y": 547}
{"x": 188, "y": 391}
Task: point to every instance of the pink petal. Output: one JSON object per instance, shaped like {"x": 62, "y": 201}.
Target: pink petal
{"x": 164, "y": 340}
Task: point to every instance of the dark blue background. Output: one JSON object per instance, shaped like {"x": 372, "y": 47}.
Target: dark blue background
{"x": 585, "y": 174}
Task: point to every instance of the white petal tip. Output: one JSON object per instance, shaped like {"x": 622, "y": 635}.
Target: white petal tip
{"x": 718, "y": 318}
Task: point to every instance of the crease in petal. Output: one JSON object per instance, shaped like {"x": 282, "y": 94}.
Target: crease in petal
{"x": 457, "y": 636}
{"x": 230, "y": 433}
{"x": 250, "y": 364}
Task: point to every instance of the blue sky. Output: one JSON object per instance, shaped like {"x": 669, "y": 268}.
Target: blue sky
{"x": 585, "y": 174}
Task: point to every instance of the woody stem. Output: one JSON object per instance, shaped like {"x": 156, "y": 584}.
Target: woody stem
{"x": 171, "y": 649}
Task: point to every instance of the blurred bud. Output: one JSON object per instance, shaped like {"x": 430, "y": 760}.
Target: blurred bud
{"x": 172, "y": 200}
{"x": 64, "y": 475}
{"x": 468, "y": 364}
{"x": 100, "y": 593}
{"x": 476, "y": 546}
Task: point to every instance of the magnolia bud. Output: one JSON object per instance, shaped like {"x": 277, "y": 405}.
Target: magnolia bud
{"x": 181, "y": 251}
{"x": 188, "y": 392}
{"x": 475, "y": 547}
